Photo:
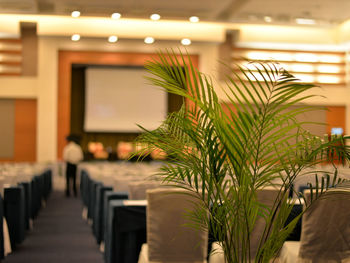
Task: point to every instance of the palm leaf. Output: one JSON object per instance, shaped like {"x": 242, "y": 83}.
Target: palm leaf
{"x": 226, "y": 158}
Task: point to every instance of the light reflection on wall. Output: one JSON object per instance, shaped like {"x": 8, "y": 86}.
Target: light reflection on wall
{"x": 308, "y": 66}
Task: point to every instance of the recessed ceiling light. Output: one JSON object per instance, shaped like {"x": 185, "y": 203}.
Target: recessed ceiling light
{"x": 194, "y": 19}
{"x": 305, "y": 21}
{"x": 75, "y": 13}
{"x": 155, "y": 17}
{"x": 149, "y": 40}
{"x": 113, "y": 39}
{"x": 268, "y": 19}
{"x": 186, "y": 42}
{"x": 116, "y": 16}
{"x": 75, "y": 37}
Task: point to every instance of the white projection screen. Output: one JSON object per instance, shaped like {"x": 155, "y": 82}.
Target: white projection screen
{"x": 118, "y": 98}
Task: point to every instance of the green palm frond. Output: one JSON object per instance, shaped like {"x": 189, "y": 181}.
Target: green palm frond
{"x": 227, "y": 157}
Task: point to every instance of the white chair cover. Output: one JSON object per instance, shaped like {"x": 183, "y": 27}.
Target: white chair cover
{"x": 7, "y": 242}
{"x": 325, "y": 235}
{"x": 266, "y": 196}
{"x": 137, "y": 190}
{"x": 168, "y": 240}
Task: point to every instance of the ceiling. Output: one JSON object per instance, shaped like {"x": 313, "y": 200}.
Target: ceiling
{"x": 324, "y": 12}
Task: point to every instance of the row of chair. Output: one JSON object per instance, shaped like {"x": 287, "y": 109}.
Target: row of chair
{"x": 103, "y": 208}
{"x": 121, "y": 222}
{"x": 19, "y": 206}
{"x": 123, "y": 225}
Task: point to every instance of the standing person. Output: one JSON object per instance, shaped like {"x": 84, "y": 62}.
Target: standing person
{"x": 72, "y": 155}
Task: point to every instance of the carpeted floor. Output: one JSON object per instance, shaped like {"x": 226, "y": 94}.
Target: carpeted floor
{"x": 60, "y": 235}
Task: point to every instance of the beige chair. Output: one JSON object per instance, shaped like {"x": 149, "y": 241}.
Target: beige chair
{"x": 325, "y": 235}
{"x": 168, "y": 240}
{"x": 121, "y": 183}
{"x": 266, "y": 196}
{"x": 6, "y": 236}
{"x": 137, "y": 190}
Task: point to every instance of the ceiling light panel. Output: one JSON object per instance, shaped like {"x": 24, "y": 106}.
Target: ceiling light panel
{"x": 116, "y": 16}
{"x": 194, "y": 19}
{"x": 10, "y": 58}
{"x": 257, "y": 66}
{"x": 330, "y": 58}
{"x": 324, "y": 67}
{"x": 290, "y": 56}
{"x": 75, "y": 37}
{"x": 306, "y": 57}
{"x": 75, "y": 13}
{"x": 305, "y": 21}
{"x": 329, "y": 11}
{"x": 112, "y": 39}
{"x": 326, "y": 79}
{"x": 186, "y": 42}
{"x": 10, "y": 46}
{"x": 258, "y": 55}
{"x": 149, "y": 40}
{"x": 253, "y": 76}
{"x": 302, "y": 68}
{"x": 305, "y": 78}
{"x": 328, "y": 69}
{"x": 268, "y": 19}
{"x": 155, "y": 17}
{"x": 10, "y": 69}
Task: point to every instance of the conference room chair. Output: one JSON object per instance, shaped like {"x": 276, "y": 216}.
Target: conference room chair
{"x": 121, "y": 183}
{"x": 14, "y": 210}
{"x": 325, "y": 234}
{"x": 84, "y": 191}
{"x": 28, "y": 202}
{"x": 47, "y": 181}
{"x": 107, "y": 197}
{"x": 168, "y": 239}
{"x": 125, "y": 230}
{"x": 5, "y": 243}
{"x": 2, "y": 237}
{"x": 36, "y": 196}
{"x": 138, "y": 189}
{"x": 107, "y": 178}
{"x": 83, "y": 185}
{"x": 265, "y": 196}
{"x": 92, "y": 198}
{"x": 98, "y": 217}
{"x": 20, "y": 204}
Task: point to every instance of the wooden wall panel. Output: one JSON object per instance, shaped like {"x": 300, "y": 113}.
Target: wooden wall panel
{"x": 29, "y": 49}
{"x": 7, "y": 120}
{"x": 67, "y": 59}
{"x": 335, "y": 118}
{"x": 24, "y": 131}
{"x": 229, "y": 108}
{"x": 11, "y": 61}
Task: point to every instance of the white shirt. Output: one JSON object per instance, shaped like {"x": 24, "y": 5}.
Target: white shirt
{"x": 72, "y": 153}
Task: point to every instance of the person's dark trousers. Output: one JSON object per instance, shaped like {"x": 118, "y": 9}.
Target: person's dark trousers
{"x": 71, "y": 175}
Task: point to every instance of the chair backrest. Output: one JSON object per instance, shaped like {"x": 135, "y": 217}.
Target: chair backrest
{"x": 121, "y": 184}
{"x": 2, "y": 182}
{"x": 266, "y": 196}
{"x": 137, "y": 190}
{"x": 325, "y": 235}
{"x": 167, "y": 238}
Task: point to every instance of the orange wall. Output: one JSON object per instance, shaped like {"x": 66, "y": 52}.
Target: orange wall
{"x": 25, "y": 131}
{"x": 335, "y": 117}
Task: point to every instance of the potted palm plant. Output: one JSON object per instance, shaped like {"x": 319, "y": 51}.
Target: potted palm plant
{"x": 226, "y": 156}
